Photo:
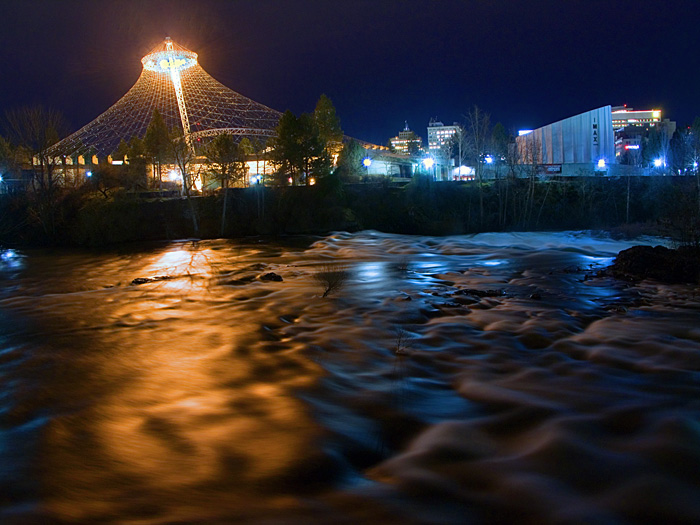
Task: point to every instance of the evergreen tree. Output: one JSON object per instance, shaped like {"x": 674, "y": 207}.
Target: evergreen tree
{"x": 329, "y": 130}
{"x": 226, "y": 159}
{"x": 349, "y": 169}
{"x": 299, "y": 153}
{"x": 157, "y": 144}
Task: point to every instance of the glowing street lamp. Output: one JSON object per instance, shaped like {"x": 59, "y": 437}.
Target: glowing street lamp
{"x": 601, "y": 164}
{"x": 658, "y": 163}
{"x": 367, "y": 162}
{"x": 428, "y": 163}
{"x": 88, "y": 174}
{"x": 488, "y": 159}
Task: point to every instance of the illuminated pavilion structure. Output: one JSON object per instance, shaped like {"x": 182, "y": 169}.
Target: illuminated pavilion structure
{"x": 175, "y": 84}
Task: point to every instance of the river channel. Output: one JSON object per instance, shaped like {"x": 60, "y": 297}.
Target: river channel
{"x": 491, "y": 378}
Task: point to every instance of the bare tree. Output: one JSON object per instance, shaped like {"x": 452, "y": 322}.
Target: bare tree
{"x": 183, "y": 155}
{"x": 226, "y": 160}
{"x": 34, "y": 130}
{"x": 331, "y": 277}
{"x": 477, "y": 138}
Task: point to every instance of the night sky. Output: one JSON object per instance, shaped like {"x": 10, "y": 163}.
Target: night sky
{"x": 527, "y": 63}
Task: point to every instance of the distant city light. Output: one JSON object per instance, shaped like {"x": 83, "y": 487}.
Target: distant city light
{"x": 88, "y": 174}
{"x": 695, "y": 165}
{"x": 0, "y": 178}
{"x": 658, "y": 162}
{"x": 428, "y": 162}
{"x": 366, "y": 162}
{"x": 488, "y": 159}
{"x": 312, "y": 181}
{"x": 601, "y": 163}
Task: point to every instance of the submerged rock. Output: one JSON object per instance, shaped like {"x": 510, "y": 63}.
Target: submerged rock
{"x": 272, "y": 276}
{"x": 144, "y": 280}
{"x": 659, "y": 263}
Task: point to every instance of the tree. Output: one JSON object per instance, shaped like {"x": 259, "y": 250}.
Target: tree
{"x": 477, "y": 135}
{"x": 286, "y": 151}
{"x": 299, "y": 152}
{"x": 500, "y": 148}
{"x": 349, "y": 168}
{"x": 329, "y": 130}
{"x": 226, "y": 160}
{"x": 33, "y": 130}
{"x": 106, "y": 177}
{"x": 136, "y": 164}
{"x": 7, "y": 157}
{"x": 317, "y": 159}
{"x": 132, "y": 174}
{"x": 183, "y": 155}
{"x": 157, "y": 144}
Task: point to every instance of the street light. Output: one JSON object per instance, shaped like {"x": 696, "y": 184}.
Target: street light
{"x": 367, "y": 162}
{"x": 428, "y": 163}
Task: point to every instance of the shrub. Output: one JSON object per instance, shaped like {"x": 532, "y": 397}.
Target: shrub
{"x": 331, "y": 277}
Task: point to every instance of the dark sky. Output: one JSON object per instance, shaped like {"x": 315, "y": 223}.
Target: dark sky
{"x": 527, "y": 62}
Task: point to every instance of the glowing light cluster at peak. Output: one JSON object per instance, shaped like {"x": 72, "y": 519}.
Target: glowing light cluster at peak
{"x": 169, "y": 61}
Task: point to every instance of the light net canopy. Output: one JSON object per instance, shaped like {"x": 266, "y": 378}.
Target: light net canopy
{"x": 185, "y": 95}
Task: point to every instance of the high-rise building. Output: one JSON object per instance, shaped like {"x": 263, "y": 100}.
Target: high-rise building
{"x": 407, "y": 142}
{"x": 440, "y": 138}
{"x": 633, "y": 126}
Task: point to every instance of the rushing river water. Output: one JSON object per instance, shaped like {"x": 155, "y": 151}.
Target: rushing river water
{"x": 473, "y": 379}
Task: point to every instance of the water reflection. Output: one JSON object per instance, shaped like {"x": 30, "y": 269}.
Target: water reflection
{"x": 177, "y": 384}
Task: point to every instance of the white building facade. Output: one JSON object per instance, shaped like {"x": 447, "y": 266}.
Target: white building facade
{"x": 571, "y": 146}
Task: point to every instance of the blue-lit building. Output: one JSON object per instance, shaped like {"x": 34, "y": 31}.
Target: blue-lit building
{"x": 580, "y": 145}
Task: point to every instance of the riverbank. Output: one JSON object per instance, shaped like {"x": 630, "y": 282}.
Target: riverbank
{"x": 651, "y": 205}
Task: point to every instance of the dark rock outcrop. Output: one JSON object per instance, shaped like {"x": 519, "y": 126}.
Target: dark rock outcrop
{"x": 272, "y": 276}
{"x": 658, "y": 263}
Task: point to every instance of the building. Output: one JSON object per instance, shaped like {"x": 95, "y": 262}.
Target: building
{"x": 580, "y": 144}
{"x": 440, "y": 139}
{"x": 407, "y": 142}
{"x": 632, "y": 127}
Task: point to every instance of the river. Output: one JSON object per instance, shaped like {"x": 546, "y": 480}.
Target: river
{"x": 490, "y": 378}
